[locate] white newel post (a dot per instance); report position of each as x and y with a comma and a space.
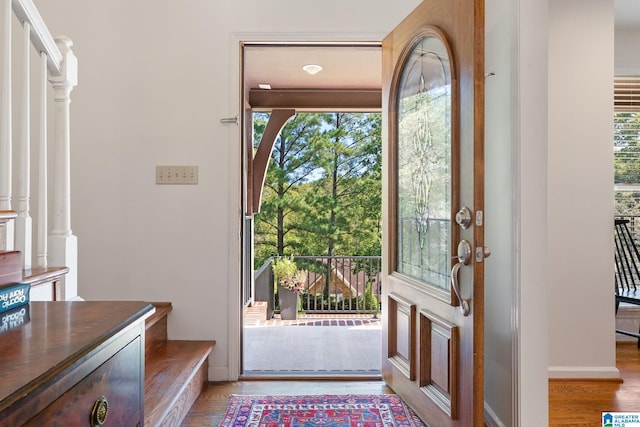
23, 220
63, 245
5, 119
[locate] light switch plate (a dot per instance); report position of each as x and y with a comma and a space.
176, 175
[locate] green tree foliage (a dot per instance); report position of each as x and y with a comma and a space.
626, 154
322, 192
627, 148
368, 301
344, 204
627, 203
290, 166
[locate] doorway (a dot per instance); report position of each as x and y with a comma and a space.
344, 92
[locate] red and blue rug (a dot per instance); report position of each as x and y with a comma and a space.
349, 410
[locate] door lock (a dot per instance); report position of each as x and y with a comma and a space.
482, 253
463, 217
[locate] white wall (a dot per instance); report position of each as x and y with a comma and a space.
531, 222
500, 333
517, 334
580, 176
155, 79
499, 211
558, 170
627, 54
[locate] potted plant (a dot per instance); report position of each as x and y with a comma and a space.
290, 281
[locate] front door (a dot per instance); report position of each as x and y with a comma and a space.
433, 110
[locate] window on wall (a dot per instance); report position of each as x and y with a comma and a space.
626, 144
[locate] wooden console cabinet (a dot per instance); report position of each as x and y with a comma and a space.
75, 363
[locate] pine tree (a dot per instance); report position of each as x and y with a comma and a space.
290, 166
322, 192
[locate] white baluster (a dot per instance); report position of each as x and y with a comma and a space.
63, 245
23, 221
43, 226
5, 120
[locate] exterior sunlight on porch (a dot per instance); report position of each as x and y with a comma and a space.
334, 330
312, 345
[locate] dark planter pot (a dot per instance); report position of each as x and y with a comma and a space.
288, 303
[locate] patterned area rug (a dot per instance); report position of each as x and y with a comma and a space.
350, 410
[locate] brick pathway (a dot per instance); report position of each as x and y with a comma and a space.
302, 321
255, 315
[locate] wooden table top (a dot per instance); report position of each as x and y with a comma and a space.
55, 336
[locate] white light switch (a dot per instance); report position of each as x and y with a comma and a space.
176, 174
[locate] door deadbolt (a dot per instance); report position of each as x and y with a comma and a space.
463, 217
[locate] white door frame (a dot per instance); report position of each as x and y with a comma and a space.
235, 159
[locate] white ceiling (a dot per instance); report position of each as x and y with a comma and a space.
627, 14
356, 66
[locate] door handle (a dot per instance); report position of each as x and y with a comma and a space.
464, 257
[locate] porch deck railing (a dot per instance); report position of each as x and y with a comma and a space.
633, 226
333, 284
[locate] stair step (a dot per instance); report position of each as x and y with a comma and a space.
6, 216
38, 275
175, 373
162, 309
10, 267
156, 326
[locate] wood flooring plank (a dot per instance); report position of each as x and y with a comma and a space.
581, 403
571, 403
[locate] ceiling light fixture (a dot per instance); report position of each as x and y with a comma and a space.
264, 86
312, 69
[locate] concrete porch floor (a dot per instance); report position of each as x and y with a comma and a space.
311, 346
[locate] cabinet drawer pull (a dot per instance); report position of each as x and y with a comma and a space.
99, 412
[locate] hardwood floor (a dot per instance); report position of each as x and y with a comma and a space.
571, 403
581, 403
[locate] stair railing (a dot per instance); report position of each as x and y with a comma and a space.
57, 68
